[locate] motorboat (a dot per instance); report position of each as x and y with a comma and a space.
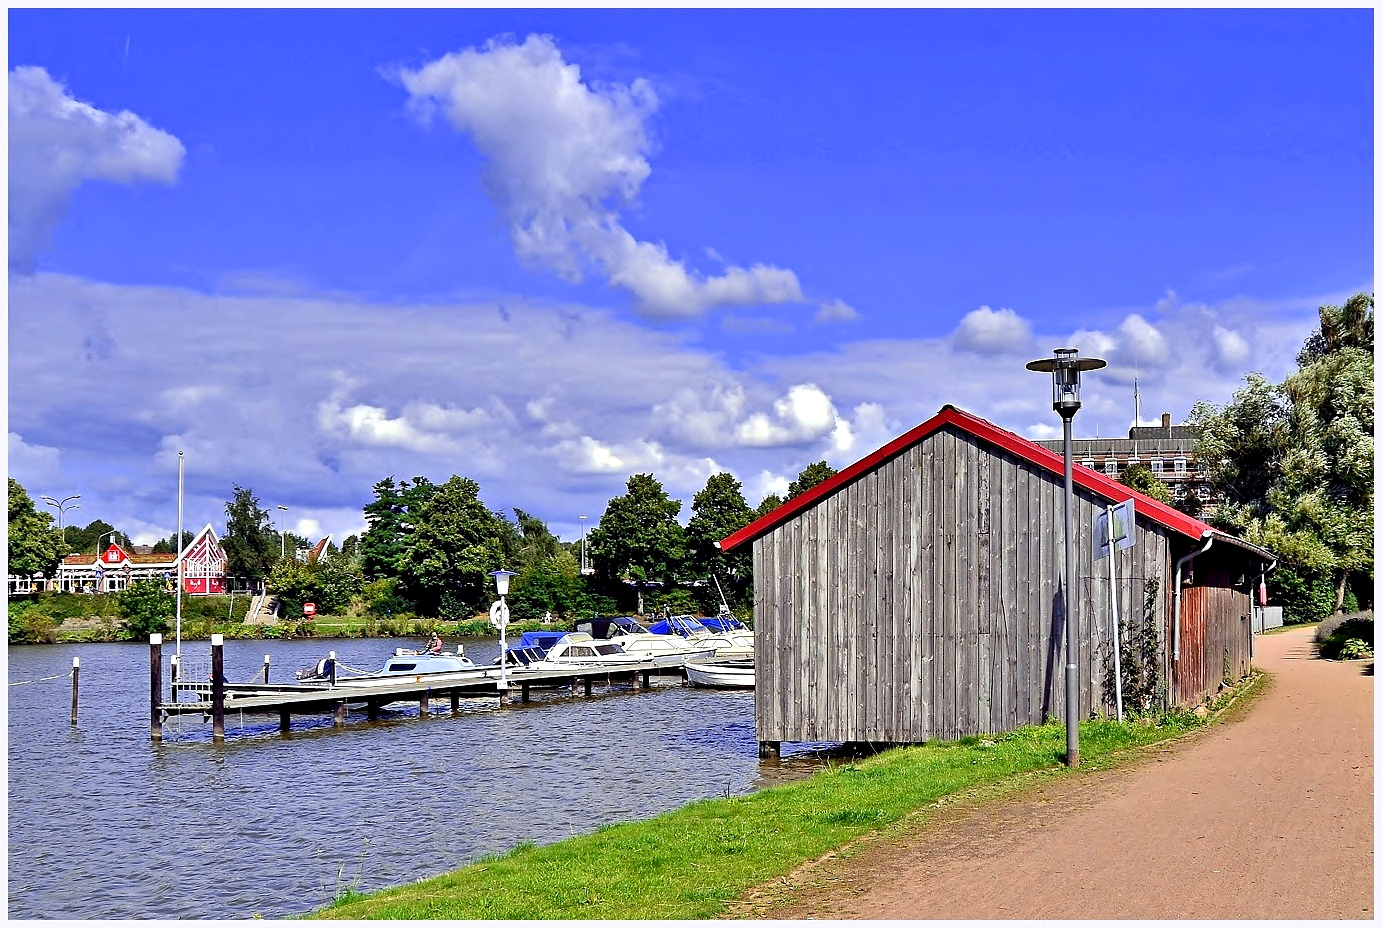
728, 642
579, 649
401, 665
634, 638
736, 674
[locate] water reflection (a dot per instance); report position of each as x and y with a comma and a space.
105, 824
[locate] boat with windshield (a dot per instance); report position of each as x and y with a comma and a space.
727, 640
404, 664
634, 638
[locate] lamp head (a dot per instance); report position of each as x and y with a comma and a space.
1065, 368
501, 580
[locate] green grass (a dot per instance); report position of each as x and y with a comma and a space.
691, 862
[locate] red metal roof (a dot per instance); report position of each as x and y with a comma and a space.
1106, 487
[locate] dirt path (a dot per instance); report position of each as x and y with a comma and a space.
1266, 816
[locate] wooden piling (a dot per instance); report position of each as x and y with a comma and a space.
76, 675
331, 659
587, 684
770, 749
645, 679
218, 688
422, 707
525, 691
455, 701
155, 687
284, 720
338, 719
174, 673
372, 709
266, 668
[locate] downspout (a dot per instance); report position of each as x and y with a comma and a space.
1175, 607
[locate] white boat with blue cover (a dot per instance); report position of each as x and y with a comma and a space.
733, 674
404, 664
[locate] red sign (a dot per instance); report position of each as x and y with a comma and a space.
309, 609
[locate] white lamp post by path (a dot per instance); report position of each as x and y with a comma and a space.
582, 518
1065, 370
499, 618
62, 508
282, 538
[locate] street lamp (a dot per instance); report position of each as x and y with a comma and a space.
582, 518
62, 508
499, 618
1065, 370
282, 538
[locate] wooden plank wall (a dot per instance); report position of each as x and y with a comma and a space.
1216, 628
918, 601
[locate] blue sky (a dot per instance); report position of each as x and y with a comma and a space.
549, 249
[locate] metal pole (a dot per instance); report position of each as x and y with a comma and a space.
76, 674
1072, 697
266, 668
218, 688
180, 554
155, 687
503, 649
1113, 592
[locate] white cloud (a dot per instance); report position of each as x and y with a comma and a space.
58, 143
1231, 350
993, 331
835, 311
1041, 431
803, 415
766, 482
563, 157
1140, 344
32, 463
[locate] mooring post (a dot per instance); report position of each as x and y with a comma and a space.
587, 684
339, 718
455, 701
76, 673
422, 707
218, 688
174, 665
372, 709
266, 668
284, 720
645, 679
525, 691
331, 659
770, 749
155, 687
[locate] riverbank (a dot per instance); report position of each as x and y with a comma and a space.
695, 861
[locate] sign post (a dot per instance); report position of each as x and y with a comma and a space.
1114, 530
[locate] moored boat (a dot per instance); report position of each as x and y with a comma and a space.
736, 674
634, 638
728, 642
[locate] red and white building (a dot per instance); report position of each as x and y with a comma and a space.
203, 568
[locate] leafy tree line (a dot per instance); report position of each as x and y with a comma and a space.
1294, 464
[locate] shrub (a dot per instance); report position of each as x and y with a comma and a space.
146, 607
1352, 633
1303, 598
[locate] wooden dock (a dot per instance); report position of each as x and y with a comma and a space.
213, 699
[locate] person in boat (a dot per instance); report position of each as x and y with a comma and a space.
436, 646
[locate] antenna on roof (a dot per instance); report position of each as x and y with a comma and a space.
1136, 405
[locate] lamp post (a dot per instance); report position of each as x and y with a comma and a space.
62, 508
582, 518
282, 538
1065, 370
101, 574
98, 541
499, 618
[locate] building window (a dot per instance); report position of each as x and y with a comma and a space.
1202, 492
1156, 465
1110, 466
1180, 465
1088, 463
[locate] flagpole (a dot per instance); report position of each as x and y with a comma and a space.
180, 554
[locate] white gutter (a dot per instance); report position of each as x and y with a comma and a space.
1175, 608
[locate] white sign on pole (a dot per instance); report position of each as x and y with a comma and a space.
499, 614
1115, 526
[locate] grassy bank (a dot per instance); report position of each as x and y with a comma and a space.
691, 862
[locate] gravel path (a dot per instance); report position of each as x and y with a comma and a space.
1268, 815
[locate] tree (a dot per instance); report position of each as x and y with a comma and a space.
453, 544
391, 518
85, 540
812, 475
769, 503
638, 537
170, 544
146, 607
1139, 477
718, 511
250, 542
32, 545
1294, 461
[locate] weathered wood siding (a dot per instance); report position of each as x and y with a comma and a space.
919, 601
1215, 625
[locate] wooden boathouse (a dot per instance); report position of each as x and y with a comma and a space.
916, 595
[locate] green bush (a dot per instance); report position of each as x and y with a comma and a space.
1349, 640
1303, 598
1326, 629
147, 608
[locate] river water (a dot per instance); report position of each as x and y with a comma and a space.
104, 823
